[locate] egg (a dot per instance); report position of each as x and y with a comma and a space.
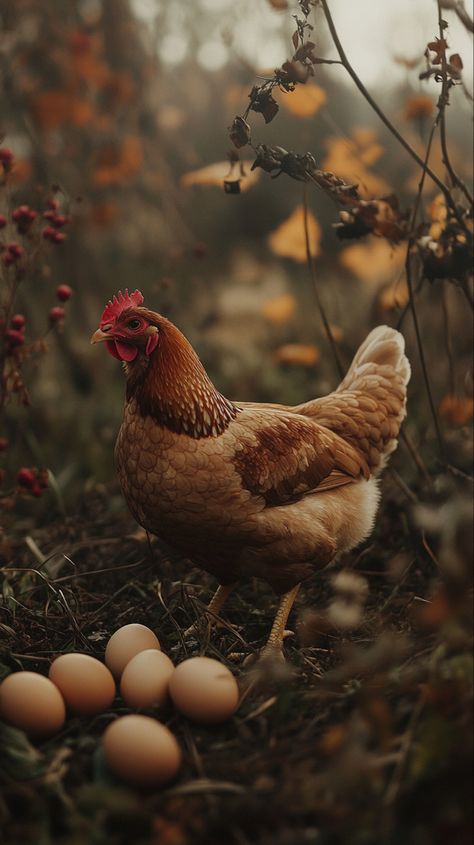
32, 703
126, 643
86, 684
204, 690
145, 679
141, 750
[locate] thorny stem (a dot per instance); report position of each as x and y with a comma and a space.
310, 262
442, 103
347, 65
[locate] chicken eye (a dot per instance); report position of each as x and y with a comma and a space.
134, 324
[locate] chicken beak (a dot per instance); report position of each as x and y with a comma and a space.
99, 335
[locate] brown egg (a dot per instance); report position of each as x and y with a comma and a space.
141, 750
145, 679
32, 703
85, 683
204, 690
126, 643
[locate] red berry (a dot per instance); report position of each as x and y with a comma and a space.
64, 292
14, 338
50, 234
3, 444
25, 477
3, 221
60, 220
15, 249
6, 158
23, 217
53, 203
18, 321
36, 490
56, 314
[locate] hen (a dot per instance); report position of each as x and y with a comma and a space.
247, 489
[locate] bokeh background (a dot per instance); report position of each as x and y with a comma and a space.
121, 109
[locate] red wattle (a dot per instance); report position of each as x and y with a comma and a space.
125, 351
122, 351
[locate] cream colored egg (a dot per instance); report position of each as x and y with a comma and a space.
141, 750
204, 690
86, 684
126, 643
145, 679
32, 703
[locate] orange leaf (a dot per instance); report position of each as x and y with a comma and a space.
455, 410
52, 109
418, 106
351, 159
118, 164
394, 296
288, 239
279, 309
22, 170
374, 262
297, 354
215, 174
439, 213
304, 101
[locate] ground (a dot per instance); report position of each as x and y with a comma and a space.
362, 737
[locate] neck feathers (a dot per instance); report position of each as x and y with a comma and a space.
175, 390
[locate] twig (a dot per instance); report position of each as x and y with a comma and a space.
411, 294
448, 341
442, 103
417, 459
381, 114
458, 7
310, 262
395, 783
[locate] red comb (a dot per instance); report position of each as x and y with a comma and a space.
118, 304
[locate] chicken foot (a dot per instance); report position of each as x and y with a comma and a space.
214, 607
274, 645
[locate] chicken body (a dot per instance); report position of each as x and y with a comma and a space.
190, 493
245, 489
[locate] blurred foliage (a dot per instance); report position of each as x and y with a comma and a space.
371, 740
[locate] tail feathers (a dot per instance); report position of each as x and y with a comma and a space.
384, 347
369, 406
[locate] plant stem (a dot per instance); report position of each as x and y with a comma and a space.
310, 261
347, 65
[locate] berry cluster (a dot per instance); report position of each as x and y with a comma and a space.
32, 481
23, 233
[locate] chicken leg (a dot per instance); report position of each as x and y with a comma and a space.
274, 645
214, 607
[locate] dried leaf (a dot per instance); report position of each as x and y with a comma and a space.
239, 132
438, 47
279, 309
263, 102
288, 239
297, 355
305, 100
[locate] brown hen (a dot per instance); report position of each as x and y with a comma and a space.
247, 489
